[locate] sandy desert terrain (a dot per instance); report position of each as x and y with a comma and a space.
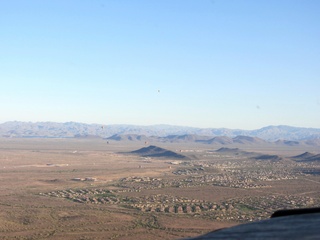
91, 189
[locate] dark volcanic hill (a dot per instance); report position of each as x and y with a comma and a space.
304, 155
307, 157
315, 158
267, 157
228, 150
154, 151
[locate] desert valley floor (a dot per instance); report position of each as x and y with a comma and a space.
96, 189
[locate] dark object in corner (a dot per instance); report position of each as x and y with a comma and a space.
293, 224
289, 212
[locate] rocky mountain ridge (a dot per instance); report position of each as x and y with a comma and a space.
176, 133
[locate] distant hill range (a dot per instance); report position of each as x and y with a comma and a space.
252, 155
286, 135
221, 140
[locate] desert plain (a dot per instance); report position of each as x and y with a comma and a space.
67, 188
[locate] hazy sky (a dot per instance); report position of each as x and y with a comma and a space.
219, 63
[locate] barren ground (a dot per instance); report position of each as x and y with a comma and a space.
29, 167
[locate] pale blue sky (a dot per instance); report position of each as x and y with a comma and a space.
220, 63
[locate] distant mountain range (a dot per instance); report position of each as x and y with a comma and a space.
279, 134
